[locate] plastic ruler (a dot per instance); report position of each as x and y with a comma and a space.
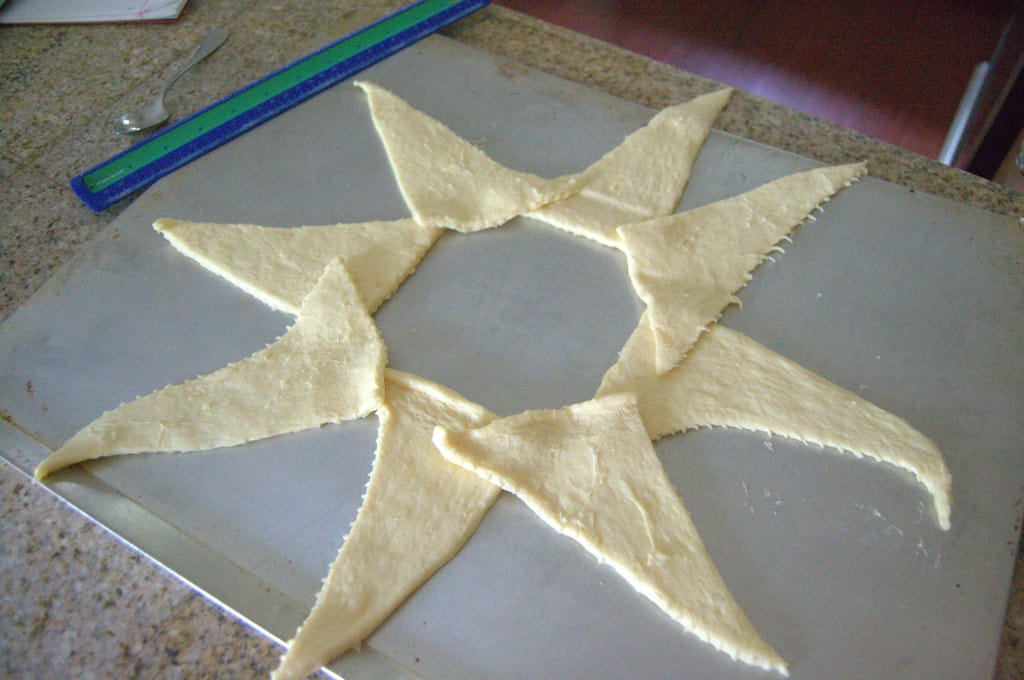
177, 145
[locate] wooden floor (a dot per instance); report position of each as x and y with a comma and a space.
893, 69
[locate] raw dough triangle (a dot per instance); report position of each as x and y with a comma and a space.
280, 265
328, 367
729, 380
641, 178
590, 471
448, 182
417, 513
686, 267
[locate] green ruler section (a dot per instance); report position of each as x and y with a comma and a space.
203, 131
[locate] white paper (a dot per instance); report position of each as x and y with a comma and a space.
88, 11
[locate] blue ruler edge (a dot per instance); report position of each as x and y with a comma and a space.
177, 145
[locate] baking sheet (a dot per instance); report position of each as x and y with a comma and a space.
909, 300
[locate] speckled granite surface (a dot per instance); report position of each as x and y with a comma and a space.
76, 602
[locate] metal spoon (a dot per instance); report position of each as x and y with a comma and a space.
156, 113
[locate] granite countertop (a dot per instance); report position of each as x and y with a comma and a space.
77, 602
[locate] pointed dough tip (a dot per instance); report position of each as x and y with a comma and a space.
722, 94
165, 224
41, 471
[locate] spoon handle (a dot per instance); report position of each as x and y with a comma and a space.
211, 42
